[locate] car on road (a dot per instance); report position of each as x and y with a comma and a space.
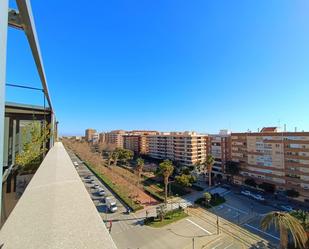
258, 197
287, 208
75, 164
246, 192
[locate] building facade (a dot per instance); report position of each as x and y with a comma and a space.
137, 141
278, 158
187, 148
220, 150
115, 138
89, 133
102, 137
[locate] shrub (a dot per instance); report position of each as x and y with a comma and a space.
153, 193
292, 193
267, 187
216, 200
251, 182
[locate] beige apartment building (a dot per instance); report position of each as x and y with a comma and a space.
89, 134
220, 149
187, 148
279, 158
137, 141
102, 137
115, 138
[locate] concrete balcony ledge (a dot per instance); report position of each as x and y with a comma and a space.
55, 210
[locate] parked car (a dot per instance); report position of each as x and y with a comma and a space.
258, 197
75, 164
96, 186
111, 204
101, 192
246, 192
287, 208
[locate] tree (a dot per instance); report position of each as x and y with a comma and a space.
185, 180
139, 168
125, 155
303, 218
210, 160
292, 193
232, 168
219, 178
267, 187
165, 169
109, 158
115, 156
286, 224
251, 182
207, 197
34, 139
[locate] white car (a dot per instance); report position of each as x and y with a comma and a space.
287, 208
246, 192
101, 192
258, 197
75, 164
96, 186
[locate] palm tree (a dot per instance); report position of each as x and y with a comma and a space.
303, 217
286, 224
210, 160
166, 168
139, 168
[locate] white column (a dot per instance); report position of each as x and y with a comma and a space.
4, 5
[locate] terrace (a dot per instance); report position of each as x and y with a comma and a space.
54, 210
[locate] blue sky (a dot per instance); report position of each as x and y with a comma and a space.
169, 64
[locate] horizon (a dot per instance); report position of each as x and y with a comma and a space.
169, 65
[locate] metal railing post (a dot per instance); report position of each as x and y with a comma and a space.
4, 7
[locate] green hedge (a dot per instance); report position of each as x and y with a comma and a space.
215, 201
115, 188
154, 194
178, 189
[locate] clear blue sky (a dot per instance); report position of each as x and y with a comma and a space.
169, 65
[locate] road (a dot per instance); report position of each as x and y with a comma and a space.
199, 228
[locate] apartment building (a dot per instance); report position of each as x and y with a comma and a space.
187, 148
221, 150
102, 137
89, 133
279, 158
115, 138
137, 141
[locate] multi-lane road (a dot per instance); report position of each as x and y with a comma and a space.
198, 229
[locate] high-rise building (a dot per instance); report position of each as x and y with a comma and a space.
187, 148
102, 137
89, 133
220, 150
271, 156
137, 141
115, 138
